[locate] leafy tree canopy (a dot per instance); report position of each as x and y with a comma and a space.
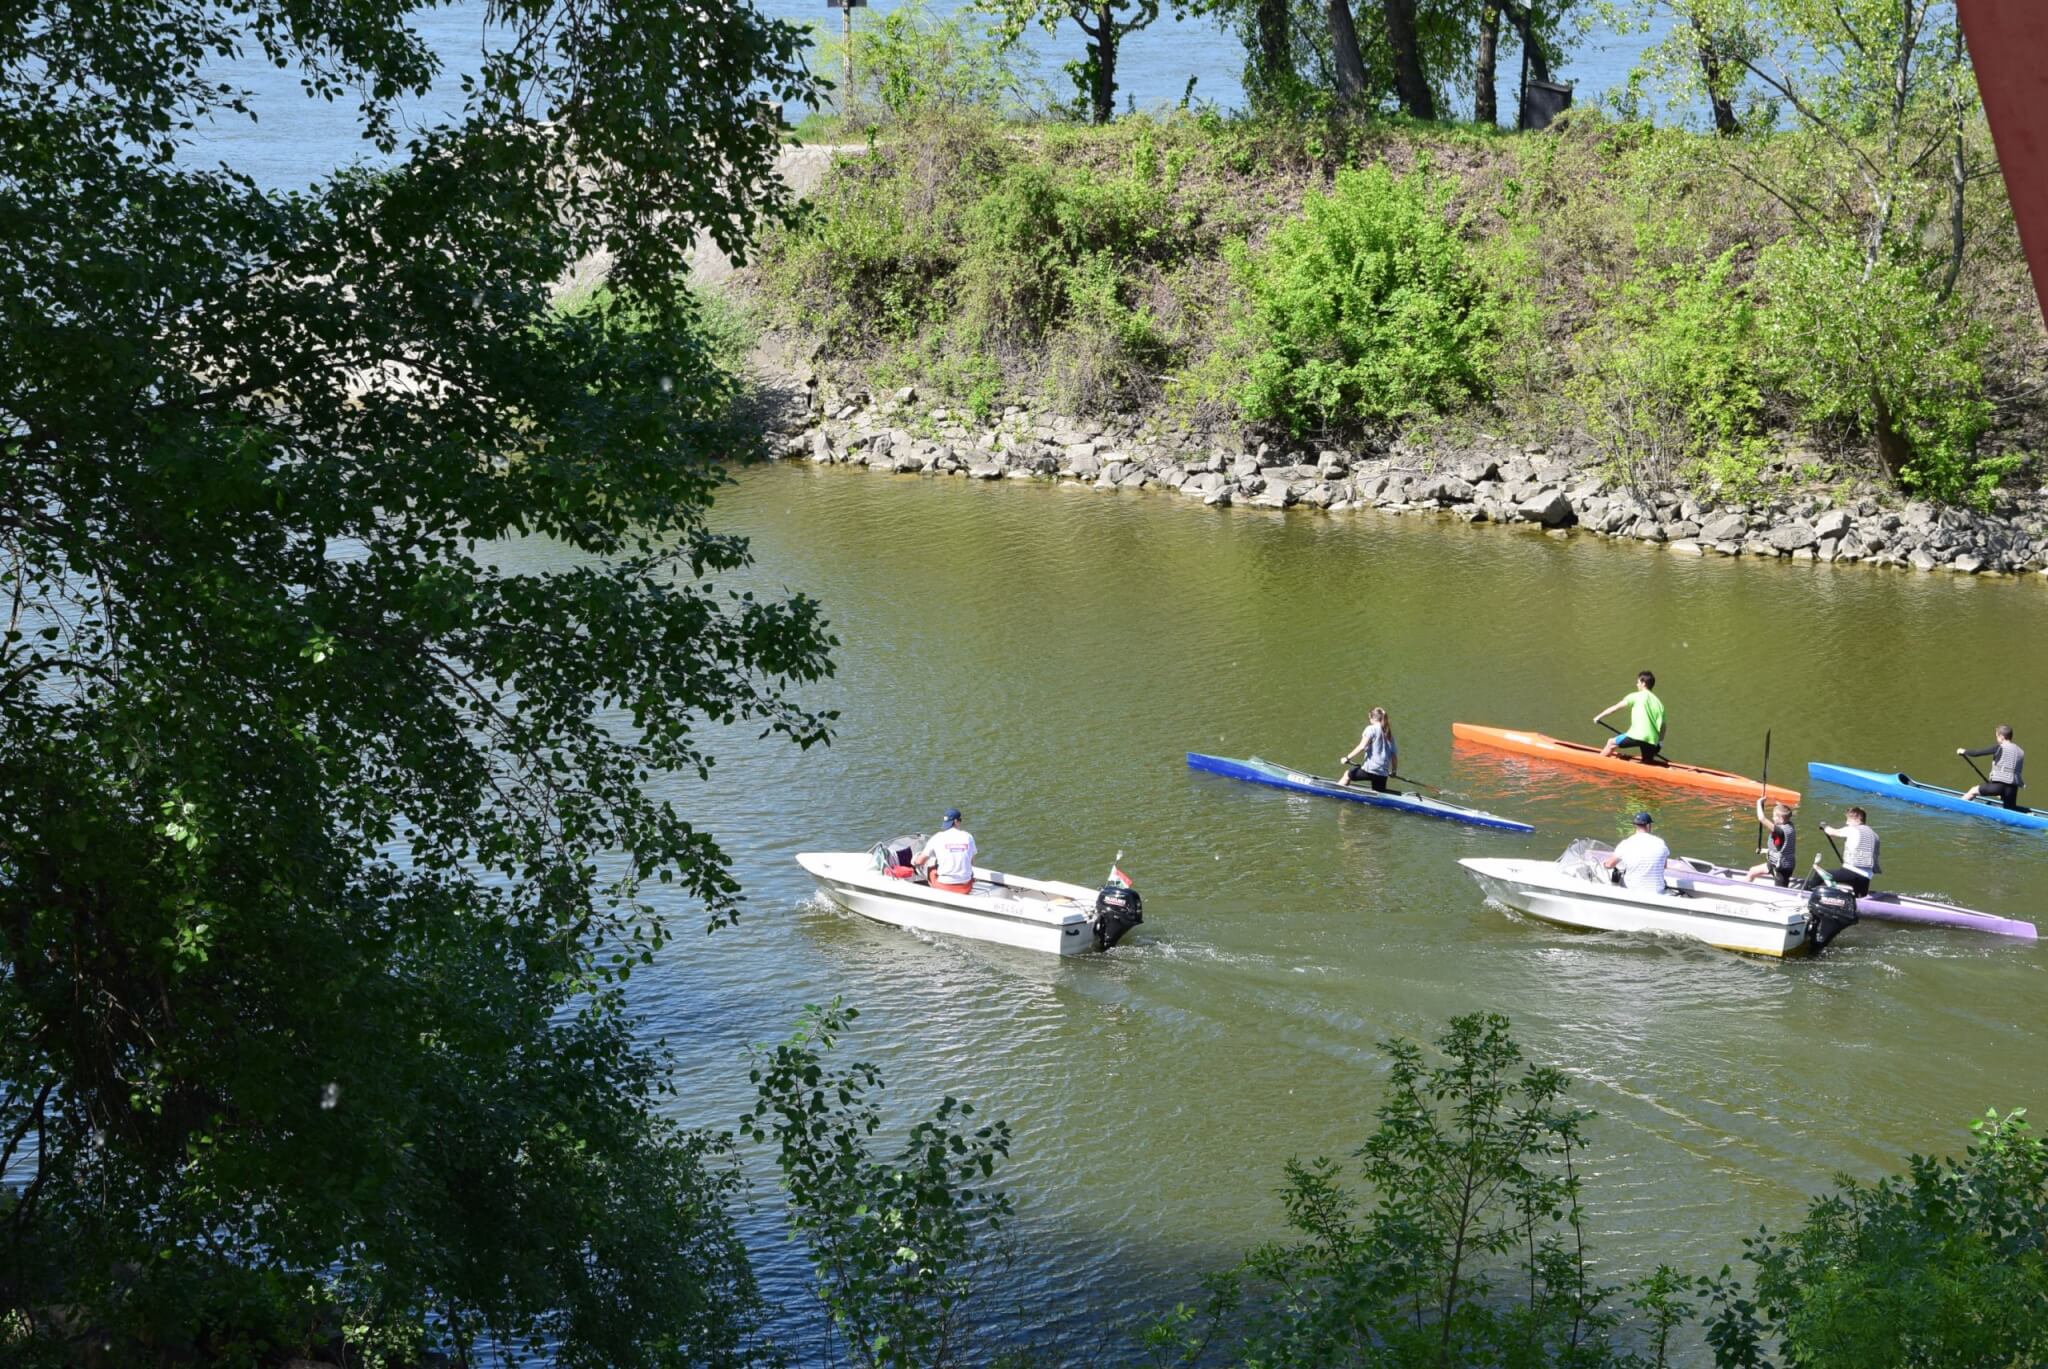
323, 833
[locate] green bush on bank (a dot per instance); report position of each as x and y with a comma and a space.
1667, 380
1365, 310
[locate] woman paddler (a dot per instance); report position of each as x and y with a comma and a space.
1375, 754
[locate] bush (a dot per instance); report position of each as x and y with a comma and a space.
1874, 353
1944, 1266
1471, 1251
1667, 382
1365, 310
910, 64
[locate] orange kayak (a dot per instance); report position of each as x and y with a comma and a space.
1664, 772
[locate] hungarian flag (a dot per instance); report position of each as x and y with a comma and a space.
1117, 876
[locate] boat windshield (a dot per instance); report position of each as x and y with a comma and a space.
1582, 858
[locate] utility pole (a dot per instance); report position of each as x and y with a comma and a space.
846, 9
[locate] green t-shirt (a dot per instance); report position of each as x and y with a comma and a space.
1645, 717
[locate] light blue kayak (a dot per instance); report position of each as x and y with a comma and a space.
1894, 785
1280, 777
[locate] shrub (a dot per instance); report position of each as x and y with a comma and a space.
1944, 1266
910, 63
1365, 310
1667, 382
1470, 1252
1875, 353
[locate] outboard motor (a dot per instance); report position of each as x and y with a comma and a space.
1117, 909
1829, 910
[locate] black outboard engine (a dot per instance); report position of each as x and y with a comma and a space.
1829, 910
1117, 909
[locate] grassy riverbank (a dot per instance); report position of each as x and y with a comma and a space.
1648, 299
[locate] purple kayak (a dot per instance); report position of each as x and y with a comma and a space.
1878, 905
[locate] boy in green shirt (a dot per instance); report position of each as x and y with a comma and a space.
1645, 720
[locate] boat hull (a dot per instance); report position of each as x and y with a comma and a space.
1764, 926
1589, 758
1035, 915
1879, 905
1894, 785
1257, 771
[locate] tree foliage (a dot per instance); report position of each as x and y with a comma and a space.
898, 1247
1469, 1251
1946, 1265
1104, 23
324, 821
910, 64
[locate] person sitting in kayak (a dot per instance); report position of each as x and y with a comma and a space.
2006, 761
1859, 855
1645, 720
1780, 848
949, 856
1641, 858
1375, 754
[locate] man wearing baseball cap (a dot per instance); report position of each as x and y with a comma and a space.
949, 856
1641, 858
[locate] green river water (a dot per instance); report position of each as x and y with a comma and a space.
1043, 657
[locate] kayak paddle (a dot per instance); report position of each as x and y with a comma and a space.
1417, 783
1982, 778
1766, 782
1831, 843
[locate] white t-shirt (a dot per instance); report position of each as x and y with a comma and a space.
952, 852
1641, 858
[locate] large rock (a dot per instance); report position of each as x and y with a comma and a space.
1729, 527
1548, 507
1475, 469
985, 470
1791, 536
1084, 467
1832, 525
821, 447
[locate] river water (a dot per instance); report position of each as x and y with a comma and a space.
1042, 657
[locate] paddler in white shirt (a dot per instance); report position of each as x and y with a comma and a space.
948, 857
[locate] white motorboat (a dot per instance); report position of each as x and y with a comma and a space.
1039, 915
1574, 891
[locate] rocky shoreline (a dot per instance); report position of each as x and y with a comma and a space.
1490, 481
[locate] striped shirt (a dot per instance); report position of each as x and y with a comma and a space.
2006, 762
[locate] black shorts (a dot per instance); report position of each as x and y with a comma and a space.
1378, 782
1650, 750
2007, 794
1781, 878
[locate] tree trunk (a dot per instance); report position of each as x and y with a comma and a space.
1276, 47
1409, 82
1892, 448
1532, 46
1344, 44
1484, 105
1717, 91
1105, 61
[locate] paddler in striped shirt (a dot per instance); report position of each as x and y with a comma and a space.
1645, 732
2006, 762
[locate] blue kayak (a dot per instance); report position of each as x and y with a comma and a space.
1894, 785
1280, 777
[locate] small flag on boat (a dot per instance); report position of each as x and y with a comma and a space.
1116, 874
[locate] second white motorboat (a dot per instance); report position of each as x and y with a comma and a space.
1039, 915
1574, 891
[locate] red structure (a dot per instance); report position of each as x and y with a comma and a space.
2009, 47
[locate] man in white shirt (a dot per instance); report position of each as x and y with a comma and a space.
1641, 858
948, 858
